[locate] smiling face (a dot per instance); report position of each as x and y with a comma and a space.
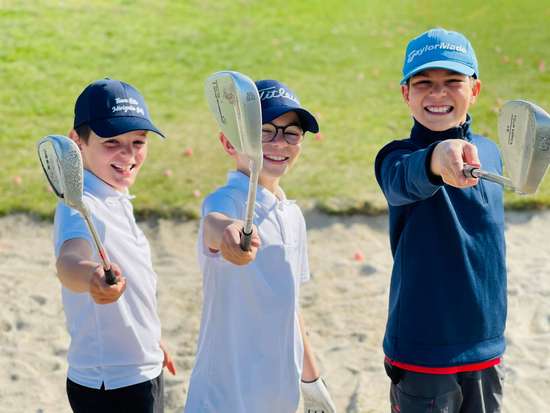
439, 99
278, 155
115, 160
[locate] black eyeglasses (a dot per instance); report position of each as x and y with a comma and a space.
292, 134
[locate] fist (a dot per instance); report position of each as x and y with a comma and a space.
230, 246
448, 159
103, 293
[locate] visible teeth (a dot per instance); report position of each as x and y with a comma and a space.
439, 109
276, 158
124, 168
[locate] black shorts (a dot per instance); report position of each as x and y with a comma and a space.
467, 392
146, 397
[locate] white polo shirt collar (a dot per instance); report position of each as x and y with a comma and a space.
264, 197
101, 189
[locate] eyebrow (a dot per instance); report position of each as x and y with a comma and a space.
283, 126
448, 73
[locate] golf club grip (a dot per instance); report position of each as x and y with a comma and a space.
246, 240
473, 172
470, 171
110, 277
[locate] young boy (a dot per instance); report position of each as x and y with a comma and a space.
447, 310
252, 349
115, 356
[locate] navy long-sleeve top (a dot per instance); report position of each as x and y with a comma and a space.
447, 304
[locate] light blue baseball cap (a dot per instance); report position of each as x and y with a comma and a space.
440, 49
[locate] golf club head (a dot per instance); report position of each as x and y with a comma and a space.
234, 100
62, 164
524, 134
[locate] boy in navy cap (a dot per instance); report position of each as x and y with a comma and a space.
447, 310
252, 351
115, 355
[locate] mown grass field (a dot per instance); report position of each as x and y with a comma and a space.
342, 57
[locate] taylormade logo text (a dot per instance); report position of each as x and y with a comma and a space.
430, 47
272, 92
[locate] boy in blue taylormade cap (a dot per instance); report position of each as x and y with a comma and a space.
447, 308
115, 355
253, 352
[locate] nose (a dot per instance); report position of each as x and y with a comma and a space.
438, 89
279, 139
128, 150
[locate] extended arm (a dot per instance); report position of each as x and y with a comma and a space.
408, 175
79, 273
223, 234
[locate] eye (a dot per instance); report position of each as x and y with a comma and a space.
455, 81
139, 143
268, 131
293, 130
110, 143
421, 84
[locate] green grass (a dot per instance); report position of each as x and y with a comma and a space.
343, 58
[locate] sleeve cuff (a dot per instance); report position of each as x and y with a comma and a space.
434, 179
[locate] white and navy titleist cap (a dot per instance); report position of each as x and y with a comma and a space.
277, 99
440, 49
111, 107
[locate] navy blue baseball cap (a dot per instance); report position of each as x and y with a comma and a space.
111, 107
277, 99
440, 49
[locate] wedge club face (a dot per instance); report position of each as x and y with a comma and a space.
524, 135
62, 164
234, 100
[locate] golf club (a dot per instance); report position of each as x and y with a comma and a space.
62, 164
524, 135
234, 100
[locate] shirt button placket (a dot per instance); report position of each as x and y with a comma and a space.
280, 214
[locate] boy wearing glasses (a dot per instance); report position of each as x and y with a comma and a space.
253, 352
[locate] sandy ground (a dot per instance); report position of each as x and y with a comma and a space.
344, 307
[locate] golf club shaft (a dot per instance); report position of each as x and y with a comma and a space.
250, 203
109, 276
473, 172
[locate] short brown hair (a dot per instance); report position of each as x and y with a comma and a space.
83, 132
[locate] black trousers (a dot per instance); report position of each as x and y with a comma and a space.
146, 397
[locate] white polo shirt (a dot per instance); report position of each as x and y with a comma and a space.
250, 350
116, 344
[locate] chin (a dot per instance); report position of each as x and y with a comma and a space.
440, 127
121, 184
274, 173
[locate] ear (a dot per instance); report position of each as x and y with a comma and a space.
476, 89
227, 147
74, 136
405, 93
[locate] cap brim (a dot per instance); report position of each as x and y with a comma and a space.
441, 64
307, 120
107, 128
